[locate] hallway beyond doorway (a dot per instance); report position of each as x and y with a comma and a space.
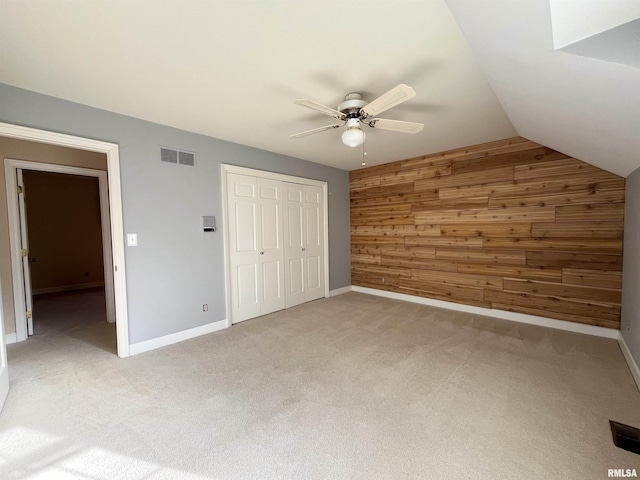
80, 314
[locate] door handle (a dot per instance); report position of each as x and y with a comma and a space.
261, 253
303, 249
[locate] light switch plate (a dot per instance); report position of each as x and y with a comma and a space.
132, 239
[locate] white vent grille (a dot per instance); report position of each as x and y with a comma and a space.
171, 155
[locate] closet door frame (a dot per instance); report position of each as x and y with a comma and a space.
227, 169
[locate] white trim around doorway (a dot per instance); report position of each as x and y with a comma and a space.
112, 210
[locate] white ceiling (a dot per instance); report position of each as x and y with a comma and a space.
231, 70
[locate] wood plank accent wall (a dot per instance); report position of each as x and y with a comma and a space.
510, 225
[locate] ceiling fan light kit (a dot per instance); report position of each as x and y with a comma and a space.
353, 135
353, 111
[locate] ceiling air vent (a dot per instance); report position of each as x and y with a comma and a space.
171, 155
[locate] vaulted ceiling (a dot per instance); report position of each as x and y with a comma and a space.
584, 107
483, 70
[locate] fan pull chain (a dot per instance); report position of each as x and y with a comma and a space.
364, 149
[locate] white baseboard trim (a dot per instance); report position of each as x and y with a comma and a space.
633, 366
340, 291
67, 288
502, 314
172, 338
10, 338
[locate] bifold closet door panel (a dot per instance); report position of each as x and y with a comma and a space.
271, 254
304, 249
294, 244
244, 265
314, 242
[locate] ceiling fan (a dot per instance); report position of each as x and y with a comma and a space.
355, 112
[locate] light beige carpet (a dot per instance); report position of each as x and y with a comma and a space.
351, 387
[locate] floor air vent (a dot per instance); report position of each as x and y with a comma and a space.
171, 155
625, 437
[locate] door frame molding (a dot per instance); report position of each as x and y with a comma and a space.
112, 186
226, 169
11, 168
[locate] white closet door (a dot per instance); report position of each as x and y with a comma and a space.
256, 247
304, 252
314, 242
244, 243
271, 246
294, 253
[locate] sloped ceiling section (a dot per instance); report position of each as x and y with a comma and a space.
584, 107
618, 45
573, 20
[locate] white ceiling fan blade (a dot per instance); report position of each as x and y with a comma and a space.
393, 97
315, 130
396, 125
305, 102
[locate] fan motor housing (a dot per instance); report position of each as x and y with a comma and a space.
352, 104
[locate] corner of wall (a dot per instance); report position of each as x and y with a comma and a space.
631, 362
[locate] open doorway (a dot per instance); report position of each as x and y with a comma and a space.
66, 258
14, 297
22, 261
12, 278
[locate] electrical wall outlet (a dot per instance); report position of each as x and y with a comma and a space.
205, 307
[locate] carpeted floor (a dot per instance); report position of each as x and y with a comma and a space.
351, 387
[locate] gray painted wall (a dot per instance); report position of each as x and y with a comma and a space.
630, 325
176, 267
